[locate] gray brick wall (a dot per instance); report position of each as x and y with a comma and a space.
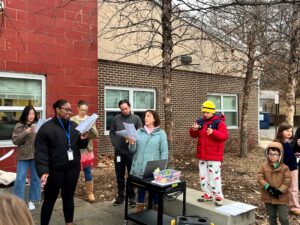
189, 90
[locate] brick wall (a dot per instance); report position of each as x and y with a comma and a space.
189, 90
54, 39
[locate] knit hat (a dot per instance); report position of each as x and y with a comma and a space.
209, 107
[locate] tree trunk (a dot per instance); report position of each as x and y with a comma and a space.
167, 50
293, 67
246, 95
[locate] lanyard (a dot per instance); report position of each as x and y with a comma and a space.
68, 134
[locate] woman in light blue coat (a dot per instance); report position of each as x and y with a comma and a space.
151, 145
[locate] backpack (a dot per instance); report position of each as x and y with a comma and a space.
215, 123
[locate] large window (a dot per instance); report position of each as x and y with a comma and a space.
140, 100
16, 91
226, 104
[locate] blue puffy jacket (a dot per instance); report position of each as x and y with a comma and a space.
148, 147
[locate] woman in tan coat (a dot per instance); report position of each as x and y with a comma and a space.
87, 155
23, 136
274, 178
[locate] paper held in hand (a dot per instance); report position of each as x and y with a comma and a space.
87, 124
40, 123
129, 132
7, 155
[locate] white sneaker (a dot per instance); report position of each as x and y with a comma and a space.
31, 206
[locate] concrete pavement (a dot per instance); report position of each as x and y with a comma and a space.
102, 213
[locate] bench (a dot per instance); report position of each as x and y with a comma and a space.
208, 209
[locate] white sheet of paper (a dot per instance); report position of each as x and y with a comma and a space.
40, 123
235, 209
7, 155
129, 132
87, 124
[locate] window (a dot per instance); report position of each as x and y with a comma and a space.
18, 90
140, 100
226, 104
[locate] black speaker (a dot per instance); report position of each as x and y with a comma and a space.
192, 220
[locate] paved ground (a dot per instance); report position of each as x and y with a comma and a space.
104, 213
268, 133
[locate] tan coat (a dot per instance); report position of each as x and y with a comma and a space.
279, 178
24, 141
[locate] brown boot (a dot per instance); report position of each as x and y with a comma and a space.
89, 188
140, 207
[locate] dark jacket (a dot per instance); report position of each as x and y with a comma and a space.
296, 147
210, 147
279, 177
51, 146
24, 141
289, 157
119, 143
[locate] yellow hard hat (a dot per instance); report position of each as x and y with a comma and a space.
209, 107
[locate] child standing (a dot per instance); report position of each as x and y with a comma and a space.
211, 132
274, 178
285, 135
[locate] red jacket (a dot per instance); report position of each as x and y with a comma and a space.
210, 147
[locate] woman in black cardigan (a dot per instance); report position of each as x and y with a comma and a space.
57, 150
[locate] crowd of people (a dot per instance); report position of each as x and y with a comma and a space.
57, 152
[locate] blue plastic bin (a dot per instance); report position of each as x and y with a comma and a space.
264, 120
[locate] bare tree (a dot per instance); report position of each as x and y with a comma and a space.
246, 26
152, 26
283, 63
293, 68
244, 21
158, 25
253, 23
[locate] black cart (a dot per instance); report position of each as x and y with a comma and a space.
151, 216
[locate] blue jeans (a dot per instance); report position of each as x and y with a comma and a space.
141, 196
20, 182
88, 173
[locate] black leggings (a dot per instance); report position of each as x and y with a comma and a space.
65, 181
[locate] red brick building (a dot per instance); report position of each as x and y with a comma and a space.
48, 50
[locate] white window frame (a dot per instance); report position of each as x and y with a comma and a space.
222, 95
41, 109
131, 90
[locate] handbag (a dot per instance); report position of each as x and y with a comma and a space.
87, 159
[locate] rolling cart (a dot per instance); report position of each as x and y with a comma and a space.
151, 216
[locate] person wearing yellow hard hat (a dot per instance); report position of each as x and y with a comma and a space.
211, 132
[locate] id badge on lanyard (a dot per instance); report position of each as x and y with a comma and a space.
70, 154
68, 134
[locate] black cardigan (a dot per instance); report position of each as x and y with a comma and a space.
51, 146
295, 146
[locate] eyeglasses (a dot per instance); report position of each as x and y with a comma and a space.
273, 155
67, 109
